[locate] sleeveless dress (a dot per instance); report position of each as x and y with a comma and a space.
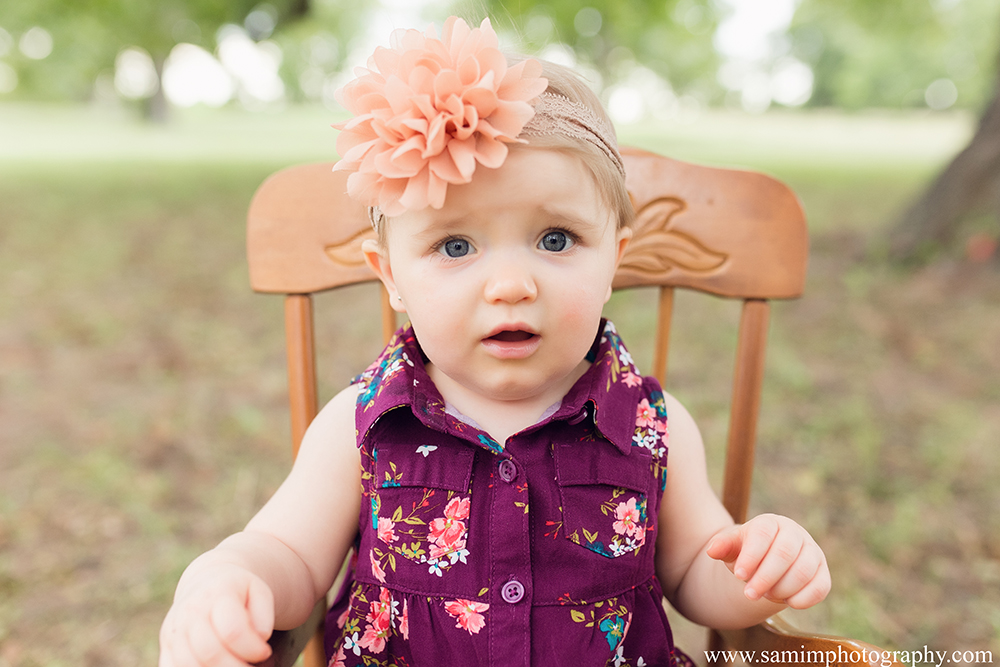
537, 551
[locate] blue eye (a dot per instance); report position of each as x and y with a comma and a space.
456, 248
556, 241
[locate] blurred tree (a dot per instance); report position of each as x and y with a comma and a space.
888, 53
89, 34
970, 181
317, 45
905, 53
671, 37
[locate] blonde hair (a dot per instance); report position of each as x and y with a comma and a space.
607, 176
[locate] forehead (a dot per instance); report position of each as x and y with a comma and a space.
531, 180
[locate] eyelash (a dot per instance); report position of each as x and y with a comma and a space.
437, 247
573, 237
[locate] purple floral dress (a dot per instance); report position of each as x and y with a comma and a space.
536, 551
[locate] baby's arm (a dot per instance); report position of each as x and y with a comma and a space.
270, 575
714, 572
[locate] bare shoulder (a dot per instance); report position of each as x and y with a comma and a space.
685, 438
327, 470
333, 428
315, 510
338, 413
328, 449
329, 456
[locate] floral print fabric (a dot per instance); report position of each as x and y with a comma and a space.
539, 550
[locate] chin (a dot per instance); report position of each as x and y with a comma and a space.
509, 391
519, 389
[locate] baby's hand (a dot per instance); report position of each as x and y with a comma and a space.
777, 558
222, 616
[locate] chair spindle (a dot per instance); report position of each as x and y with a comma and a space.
747, 382
301, 365
661, 349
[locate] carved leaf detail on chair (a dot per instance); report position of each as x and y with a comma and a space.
657, 249
348, 253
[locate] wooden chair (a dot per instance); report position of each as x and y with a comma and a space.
733, 234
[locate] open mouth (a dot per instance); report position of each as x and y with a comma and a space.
512, 343
518, 336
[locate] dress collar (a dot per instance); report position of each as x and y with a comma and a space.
607, 393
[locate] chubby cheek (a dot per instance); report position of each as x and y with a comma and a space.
439, 317
424, 292
579, 313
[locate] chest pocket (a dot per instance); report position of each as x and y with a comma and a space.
604, 496
421, 501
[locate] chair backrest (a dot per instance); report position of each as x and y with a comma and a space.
735, 234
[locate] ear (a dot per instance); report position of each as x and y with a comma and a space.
377, 260
624, 236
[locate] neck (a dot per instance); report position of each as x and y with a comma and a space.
502, 418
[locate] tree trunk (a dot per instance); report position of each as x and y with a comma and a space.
932, 219
157, 107
298, 8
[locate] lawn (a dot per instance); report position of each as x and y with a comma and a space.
142, 384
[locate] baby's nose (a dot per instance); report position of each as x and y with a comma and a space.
510, 282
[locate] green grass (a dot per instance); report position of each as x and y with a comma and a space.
142, 385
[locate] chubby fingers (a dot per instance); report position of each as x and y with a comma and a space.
798, 595
235, 626
260, 603
776, 558
207, 648
219, 640
219, 630
726, 545
743, 548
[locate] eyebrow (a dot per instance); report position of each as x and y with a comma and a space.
570, 217
549, 213
434, 228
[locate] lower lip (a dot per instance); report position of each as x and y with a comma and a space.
520, 349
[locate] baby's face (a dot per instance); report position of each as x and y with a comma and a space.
505, 285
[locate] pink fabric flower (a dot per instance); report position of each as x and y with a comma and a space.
628, 519
404, 622
379, 620
442, 548
342, 619
338, 659
380, 612
645, 415
631, 379
374, 639
458, 508
427, 110
386, 530
468, 614
448, 533
377, 570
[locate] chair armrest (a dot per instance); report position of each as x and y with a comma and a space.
783, 644
286, 645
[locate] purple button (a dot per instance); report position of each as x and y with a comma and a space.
508, 471
512, 591
579, 416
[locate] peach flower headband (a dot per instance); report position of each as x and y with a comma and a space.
427, 110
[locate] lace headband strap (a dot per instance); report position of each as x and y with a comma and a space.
558, 115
